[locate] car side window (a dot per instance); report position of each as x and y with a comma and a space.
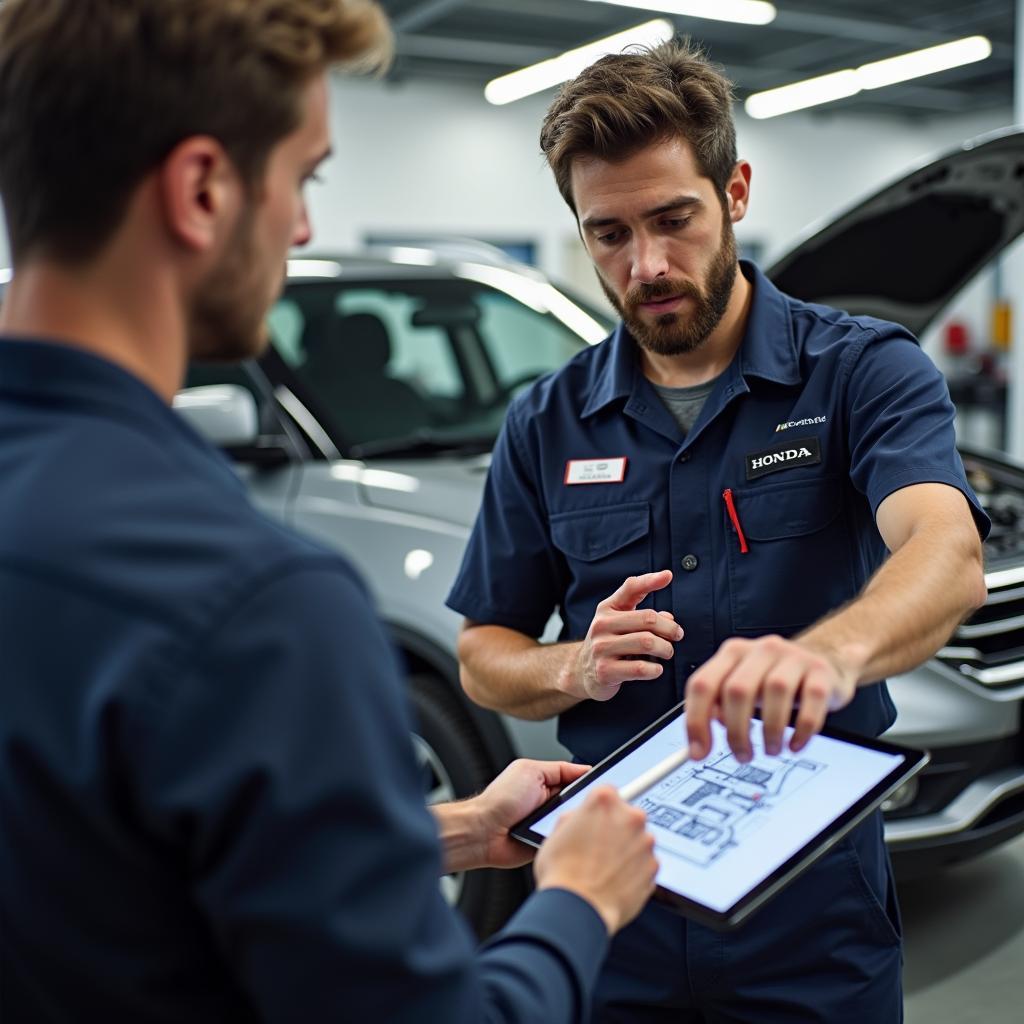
411, 361
421, 354
521, 343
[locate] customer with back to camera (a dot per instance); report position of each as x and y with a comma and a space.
209, 805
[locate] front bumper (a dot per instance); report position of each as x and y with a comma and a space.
989, 812
962, 808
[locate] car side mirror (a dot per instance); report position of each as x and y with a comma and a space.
225, 414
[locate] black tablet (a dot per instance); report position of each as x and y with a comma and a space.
730, 835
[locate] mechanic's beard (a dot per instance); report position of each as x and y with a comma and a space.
227, 322
673, 334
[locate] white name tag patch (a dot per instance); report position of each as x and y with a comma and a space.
595, 471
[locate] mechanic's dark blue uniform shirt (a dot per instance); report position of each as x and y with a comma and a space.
819, 417
209, 805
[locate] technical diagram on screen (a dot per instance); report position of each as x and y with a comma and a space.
730, 835
703, 809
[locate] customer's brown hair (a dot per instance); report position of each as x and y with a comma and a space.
94, 94
627, 101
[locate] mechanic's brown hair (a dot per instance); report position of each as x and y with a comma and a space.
625, 102
94, 94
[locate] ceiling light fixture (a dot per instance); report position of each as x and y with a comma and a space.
924, 62
548, 73
744, 12
876, 75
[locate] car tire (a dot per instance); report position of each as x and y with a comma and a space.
455, 765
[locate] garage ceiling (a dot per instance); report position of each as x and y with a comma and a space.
476, 40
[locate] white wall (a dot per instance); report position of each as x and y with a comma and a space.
422, 158
426, 158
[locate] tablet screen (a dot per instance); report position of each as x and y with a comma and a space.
723, 828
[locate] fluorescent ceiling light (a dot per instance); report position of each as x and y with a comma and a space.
924, 62
803, 94
548, 73
875, 75
745, 12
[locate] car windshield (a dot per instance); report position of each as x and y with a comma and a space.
413, 367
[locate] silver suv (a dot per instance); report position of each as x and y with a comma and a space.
369, 421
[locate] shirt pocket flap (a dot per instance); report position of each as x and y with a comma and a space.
597, 532
789, 510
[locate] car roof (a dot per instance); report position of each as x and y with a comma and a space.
443, 260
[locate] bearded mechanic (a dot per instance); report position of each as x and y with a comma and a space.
737, 498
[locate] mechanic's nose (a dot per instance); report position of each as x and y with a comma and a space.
649, 261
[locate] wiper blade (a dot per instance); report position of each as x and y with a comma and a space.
423, 444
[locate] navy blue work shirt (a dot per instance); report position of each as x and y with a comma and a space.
764, 511
209, 805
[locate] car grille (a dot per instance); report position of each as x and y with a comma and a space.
989, 647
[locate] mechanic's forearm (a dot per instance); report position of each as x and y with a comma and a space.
460, 827
909, 608
505, 670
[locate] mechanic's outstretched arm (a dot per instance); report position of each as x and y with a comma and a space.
906, 612
508, 671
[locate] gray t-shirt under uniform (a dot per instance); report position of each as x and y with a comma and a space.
685, 404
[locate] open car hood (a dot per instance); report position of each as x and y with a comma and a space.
904, 253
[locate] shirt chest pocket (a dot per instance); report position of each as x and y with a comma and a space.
602, 546
799, 564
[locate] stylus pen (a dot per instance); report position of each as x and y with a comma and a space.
650, 778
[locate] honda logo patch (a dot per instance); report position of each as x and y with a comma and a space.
805, 451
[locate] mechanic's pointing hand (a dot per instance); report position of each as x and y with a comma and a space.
622, 638
777, 674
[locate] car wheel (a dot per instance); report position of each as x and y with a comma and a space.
454, 765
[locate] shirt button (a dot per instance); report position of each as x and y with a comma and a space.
690, 563
685, 457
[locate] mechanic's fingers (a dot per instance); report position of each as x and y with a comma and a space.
609, 674
635, 589
643, 620
702, 693
644, 644
648, 620
633, 669
778, 693
814, 697
739, 692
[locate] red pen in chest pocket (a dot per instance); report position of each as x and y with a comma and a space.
730, 507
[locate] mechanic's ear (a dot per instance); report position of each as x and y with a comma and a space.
737, 191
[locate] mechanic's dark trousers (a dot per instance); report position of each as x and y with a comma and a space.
826, 950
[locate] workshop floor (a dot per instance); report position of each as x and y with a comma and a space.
964, 933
